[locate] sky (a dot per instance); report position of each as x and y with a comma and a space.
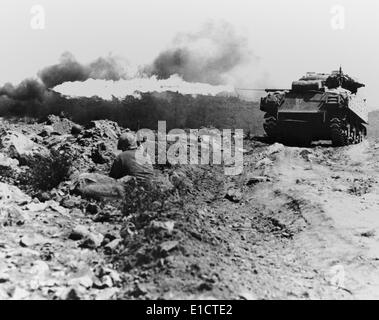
288, 37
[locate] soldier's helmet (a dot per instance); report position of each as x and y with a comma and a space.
127, 141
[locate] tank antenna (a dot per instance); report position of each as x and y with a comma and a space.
340, 76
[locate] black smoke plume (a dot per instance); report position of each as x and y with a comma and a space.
205, 56
69, 69
29, 89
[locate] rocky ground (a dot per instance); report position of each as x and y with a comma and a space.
299, 223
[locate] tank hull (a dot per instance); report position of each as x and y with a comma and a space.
302, 117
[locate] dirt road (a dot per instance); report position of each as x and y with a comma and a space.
334, 193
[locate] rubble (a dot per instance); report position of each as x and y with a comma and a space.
60, 125
168, 246
265, 162
107, 294
104, 128
18, 146
5, 161
92, 208
275, 148
47, 131
234, 195
247, 295
11, 215
12, 194
92, 240
41, 206
252, 180
19, 294
76, 129
71, 202
78, 233
82, 278
157, 226
112, 246
94, 185
30, 240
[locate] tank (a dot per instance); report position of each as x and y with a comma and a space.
318, 106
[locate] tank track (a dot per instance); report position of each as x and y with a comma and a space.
338, 132
343, 133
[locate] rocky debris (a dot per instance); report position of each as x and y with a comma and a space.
252, 180
105, 282
68, 294
93, 148
42, 206
101, 154
180, 180
92, 208
105, 277
94, 185
368, 234
265, 162
100, 277
205, 286
340, 188
107, 294
60, 125
139, 290
11, 215
234, 195
19, 294
167, 246
40, 268
37, 228
12, 195
37, 206
5, 161
58, 142
111, 246
4, 277
82, 278
306, 155
275, 148
71, 202
76, 129
159, 226
78, 233
30, 240
18, 146
360, 187
88, 239
247, 295
47, 131
104, 128
92, 241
